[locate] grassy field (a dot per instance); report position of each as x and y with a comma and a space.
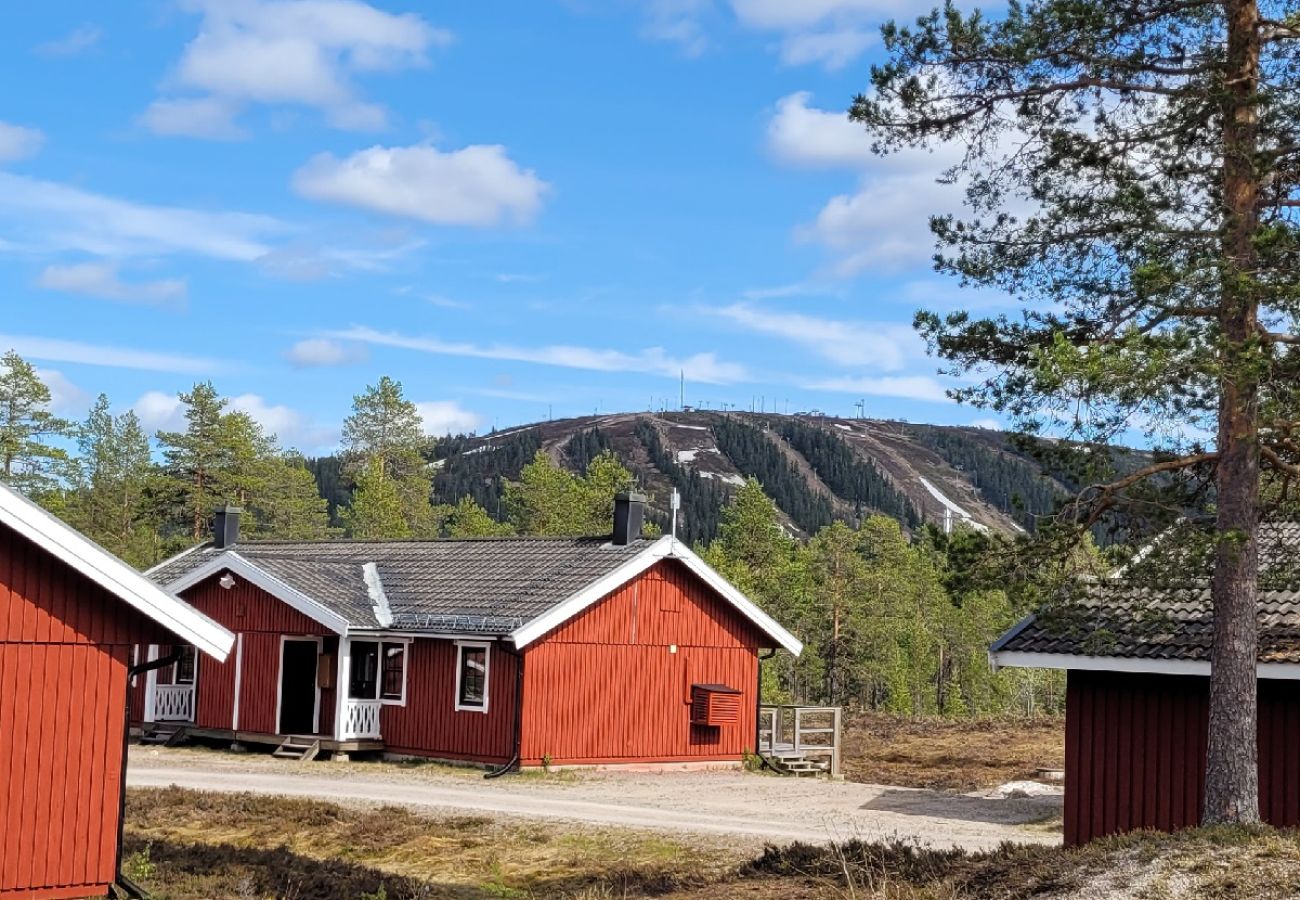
185, 845
950, 754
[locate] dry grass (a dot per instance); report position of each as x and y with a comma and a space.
950, 754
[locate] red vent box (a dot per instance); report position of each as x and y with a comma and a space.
714, 704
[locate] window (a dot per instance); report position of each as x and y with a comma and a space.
185, 665
363, 670
472, 677
392, 684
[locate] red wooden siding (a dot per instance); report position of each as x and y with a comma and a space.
606, 687
1135, 753
429, 725
260, 619
64, 650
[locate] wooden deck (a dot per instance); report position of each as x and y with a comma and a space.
327, 743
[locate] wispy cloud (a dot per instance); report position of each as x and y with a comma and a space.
705, 367
66, 398
58, 350
907, 387
101, 280
79, 40
19, 142
301, 53
441, 417
875, 344
316, 353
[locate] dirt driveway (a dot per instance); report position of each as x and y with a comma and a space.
729, 805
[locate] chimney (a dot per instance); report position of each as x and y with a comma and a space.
225, 526
629, 514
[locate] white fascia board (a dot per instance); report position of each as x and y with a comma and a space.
1022, 660
232, 561
664, 548
112, 574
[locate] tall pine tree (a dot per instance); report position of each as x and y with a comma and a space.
28, 461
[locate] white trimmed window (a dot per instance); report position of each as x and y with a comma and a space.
472, 670
392, 672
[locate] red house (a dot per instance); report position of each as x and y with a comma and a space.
499, 651
1137, 697
70, 614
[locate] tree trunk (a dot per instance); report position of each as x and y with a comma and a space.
1232, 769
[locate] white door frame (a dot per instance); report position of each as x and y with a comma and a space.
279, 679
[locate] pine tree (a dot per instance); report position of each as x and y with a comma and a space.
469, 520
385, 435
288, 505
376, 508
28, 461
1131, 170
113, 473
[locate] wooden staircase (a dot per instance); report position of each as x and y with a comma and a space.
799, 764
301, 749
164, 734
800, 740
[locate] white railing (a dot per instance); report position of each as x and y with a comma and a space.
360, 719
808, 731
173, 703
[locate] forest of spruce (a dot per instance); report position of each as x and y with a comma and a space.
896, 597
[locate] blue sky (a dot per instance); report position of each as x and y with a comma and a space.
517, 209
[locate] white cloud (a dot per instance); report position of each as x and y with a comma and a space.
880, 345
323, 352
290, 52
46, 216
198, 117
159, 411
442, 417
987, 424
907, 387
19, 142
290, 427
677, 22
518, 278
56, 350
81, 38
704, 367
66, 399
478, 185
807, 14
101, 280
832, 49
801, 135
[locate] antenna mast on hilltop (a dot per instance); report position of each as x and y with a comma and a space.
682, 400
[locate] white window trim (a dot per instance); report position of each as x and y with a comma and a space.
486, 647
279, 678
406, 665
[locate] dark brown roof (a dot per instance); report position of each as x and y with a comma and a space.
489, 586
1126, 616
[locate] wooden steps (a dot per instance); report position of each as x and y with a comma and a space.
799, 765
300, 749
164, 734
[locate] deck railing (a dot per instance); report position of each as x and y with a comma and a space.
173, 703
360, 719
812, 732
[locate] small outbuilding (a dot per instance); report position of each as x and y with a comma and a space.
1137, 698
70, 614
502, 651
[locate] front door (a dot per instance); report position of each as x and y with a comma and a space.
298, 687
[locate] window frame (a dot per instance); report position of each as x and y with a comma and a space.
193, 657
352, 657
461, 647
400, 699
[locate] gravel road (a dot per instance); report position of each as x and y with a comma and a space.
737, 806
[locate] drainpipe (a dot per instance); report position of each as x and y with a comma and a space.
125, 885
513, 764
758, 716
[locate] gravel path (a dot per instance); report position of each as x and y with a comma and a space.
739, 806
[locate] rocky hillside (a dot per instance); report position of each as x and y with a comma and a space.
817, 468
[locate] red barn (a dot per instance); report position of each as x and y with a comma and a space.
531, 651
1137, 697
70, 614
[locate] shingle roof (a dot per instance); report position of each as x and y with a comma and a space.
1127, 617
489, 586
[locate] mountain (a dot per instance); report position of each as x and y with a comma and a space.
816, 468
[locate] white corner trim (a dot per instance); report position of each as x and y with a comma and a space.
239, 680
664, 548
486, 647
1023, 660
378, 599
85, 556
232, 561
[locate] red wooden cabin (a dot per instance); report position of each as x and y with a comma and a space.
1137, 696
70, 614
526, 651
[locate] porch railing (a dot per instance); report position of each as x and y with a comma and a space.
810, 732
360, 720
173, 703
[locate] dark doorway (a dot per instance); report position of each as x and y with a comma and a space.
298, 688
